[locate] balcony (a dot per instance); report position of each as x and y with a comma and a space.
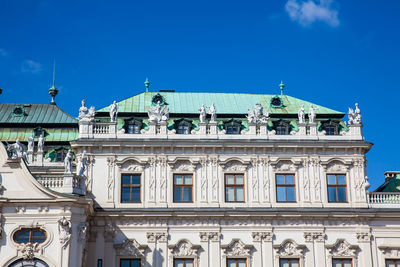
384, 199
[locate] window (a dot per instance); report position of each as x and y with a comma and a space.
234, 188
99, 262
130, 188
37, 132
330, 130
337, 188
232, 129
130, 263
133, 128
233, 126
60, 155
285, 188
289, 263
342, 263
30, 235
236, 263
183, 126
183, 262
281, 127
183, 187
392, 263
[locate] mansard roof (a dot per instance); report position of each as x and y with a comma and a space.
11, 113
392, 182
225, 103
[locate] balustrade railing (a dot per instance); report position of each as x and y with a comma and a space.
101, 128
51, 182
383, 198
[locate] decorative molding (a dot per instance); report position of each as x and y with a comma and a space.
132, 166
363, 237
29, 250
317, 236
83, 232
285, 166
236, 248
234, 166
212, 236
341, 248
183, 166
390, 251
64, 231
131, 248
109, 232
153, 237
289, 248
262, 236
184, 248
336, 166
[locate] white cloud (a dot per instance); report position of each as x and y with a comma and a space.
308, 12
3, 53
31, 66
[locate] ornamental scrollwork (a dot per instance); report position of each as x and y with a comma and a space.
289, 248
29, 250
236, 248
285, 165
234, 166
342, 248
131, 248
184, 248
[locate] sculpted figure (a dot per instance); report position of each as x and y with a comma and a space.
158, 113
357, 115
17, 150
113, 112
83, 110
203, 114
64, 230
301, 114
251, 118
82, 164
68, 162
312, 114
351, 116
40, 143
213, 112
91, 112
257, 115
31, 143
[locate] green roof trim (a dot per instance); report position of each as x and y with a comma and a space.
53, 135
226, 103
34, 114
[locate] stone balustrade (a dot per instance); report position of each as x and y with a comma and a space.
53, 182
68, 183
384, 198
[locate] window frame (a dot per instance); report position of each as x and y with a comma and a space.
130, 259
395, 261
341, 261
236, 261
132, 186
182, 186
286, 186
183, 259
290, 259
183, 124
30, 235
336, 186
235, 186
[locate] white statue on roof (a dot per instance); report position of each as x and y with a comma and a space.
113, 111
31, 143
213, 112
40, 143
354, 116
312, 114
68, 162
82, 164
203, 114
85, 114
82, 110
257, 115
158, 113
301, 114
17, 150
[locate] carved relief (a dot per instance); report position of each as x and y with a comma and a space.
83, 232
336, 166
153, 237
317, 236
214, 166
29, 250
183, 166
152, 182
109, 232
342, 249
236, 248
390, 252
110, 178
131, 248
212, 236
266, 180
306, 179
203, 179
132, 166
284, 166
64, 231
184, 248
363, 237
254, 163
163, 180
289, 248
262, 236
234, 166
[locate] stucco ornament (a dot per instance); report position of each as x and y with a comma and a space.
301, 114
336, 166
83, 231
203, 114
17, 150
131, 248
82, 164
390, 252
183, 166
184, 248
312, 113
235, 166
31, 143
113, 111
68, 162
29, 250
64, 231
342, 249
257, 115
285, 165
213, 112
289, 248
237, 248
158, 113
354, 116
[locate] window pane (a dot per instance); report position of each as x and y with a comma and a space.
284, 263
177, 193
332, 194
239, 179
187, 194
290, 194
390, 263
188, 179
231, 263
178, 263
38, 236
22, 236
178, 179
230, 179
126, 179
239, 194
125, 194
342, 194
294, 263
280, 194
336, 263
289, 179
136, 179
331, 179
241, 263
347, 263
280, 179
135, 263
230, 194
136, 194
125, 263
341, 179
189, 263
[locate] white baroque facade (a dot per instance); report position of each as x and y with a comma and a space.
205, 197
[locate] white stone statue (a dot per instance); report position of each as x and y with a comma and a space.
82, 164
257, 115
301, 114
203, 114
85, 113
113, 111
354, 116
213, 112
40, 143
91, 112
351, 116
64, 230
251, 118
31, 143
17, 150
312, 114
158, 113
83, 110
68, 162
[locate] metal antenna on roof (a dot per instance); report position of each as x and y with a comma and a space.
282, 85
147, 84
53, 91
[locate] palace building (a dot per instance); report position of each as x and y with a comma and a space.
177, 179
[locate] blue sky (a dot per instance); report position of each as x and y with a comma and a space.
333, 53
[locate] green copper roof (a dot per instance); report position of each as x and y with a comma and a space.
225, 103
392, 185
52, 135
34, 114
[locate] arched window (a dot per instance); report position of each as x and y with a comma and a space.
281, 127
28, 263
183, 126
330, 127
30, 235
133, 126
233, 127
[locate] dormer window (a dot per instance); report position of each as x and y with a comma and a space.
330, 127
282, 127
232, 127
133, 126
183, 126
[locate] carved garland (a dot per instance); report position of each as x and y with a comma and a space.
236, 248
342, 249
289, 249
185, 249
